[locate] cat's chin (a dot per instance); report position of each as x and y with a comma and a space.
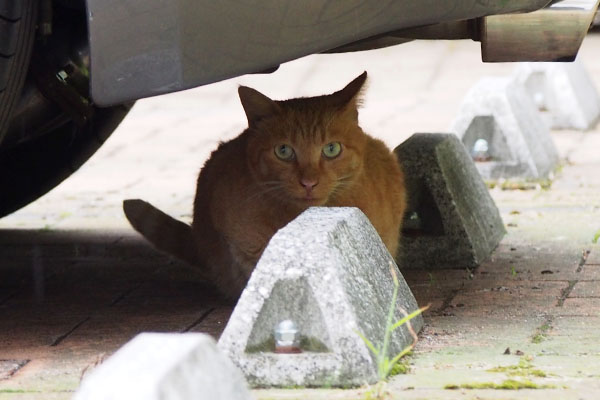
309, 202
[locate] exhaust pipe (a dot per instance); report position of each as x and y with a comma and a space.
553, 33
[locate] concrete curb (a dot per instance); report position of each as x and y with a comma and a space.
329, 272
519, 145
564, 91
155, 366
451, 220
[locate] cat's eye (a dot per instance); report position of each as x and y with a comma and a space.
332, 150
284, 152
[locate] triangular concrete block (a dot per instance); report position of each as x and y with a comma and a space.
165, 366
329, 272
498, 119
563, 92
451, 220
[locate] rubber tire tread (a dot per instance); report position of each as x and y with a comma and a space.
32, 169
11, 9
18, 63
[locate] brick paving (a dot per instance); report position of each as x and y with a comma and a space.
76, 282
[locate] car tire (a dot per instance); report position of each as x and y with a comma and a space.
32, 165
32, 169
17, 30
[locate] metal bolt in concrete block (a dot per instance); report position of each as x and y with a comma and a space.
563, 92
329, 273
500, 112
451, 220
161, 366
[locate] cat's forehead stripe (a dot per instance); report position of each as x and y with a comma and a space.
309, 126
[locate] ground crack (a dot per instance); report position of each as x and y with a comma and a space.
198, 320
582, 260
443, 309
124, 294
62, 337
565, 293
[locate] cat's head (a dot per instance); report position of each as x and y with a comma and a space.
306, 150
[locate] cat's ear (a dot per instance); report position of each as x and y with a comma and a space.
256, 105
349, 98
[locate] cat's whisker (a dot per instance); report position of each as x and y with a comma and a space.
266, 183
270, 188
346, 178
340, 186
261, 193
342, 183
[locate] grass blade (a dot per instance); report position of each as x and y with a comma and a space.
408, 317
398, 357
369, 344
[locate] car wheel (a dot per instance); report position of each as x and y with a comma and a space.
49, 125
17, 31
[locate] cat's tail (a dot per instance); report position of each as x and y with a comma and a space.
164, 232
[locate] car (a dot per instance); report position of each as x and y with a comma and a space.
70, 70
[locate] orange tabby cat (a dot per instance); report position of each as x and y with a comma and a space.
294, 154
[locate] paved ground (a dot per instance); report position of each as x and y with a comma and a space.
76, 282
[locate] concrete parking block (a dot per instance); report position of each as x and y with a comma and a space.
563, 92
451, 221
329, 272
166, 367
502, 130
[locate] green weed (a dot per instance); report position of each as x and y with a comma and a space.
537, 339
402, 367
539, 184
523, 368
431, 279
540, 335
387, 366
18, 391
508, 384
384, 363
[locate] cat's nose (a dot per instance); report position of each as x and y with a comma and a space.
309, 184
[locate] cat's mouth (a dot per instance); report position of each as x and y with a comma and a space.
310, 200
